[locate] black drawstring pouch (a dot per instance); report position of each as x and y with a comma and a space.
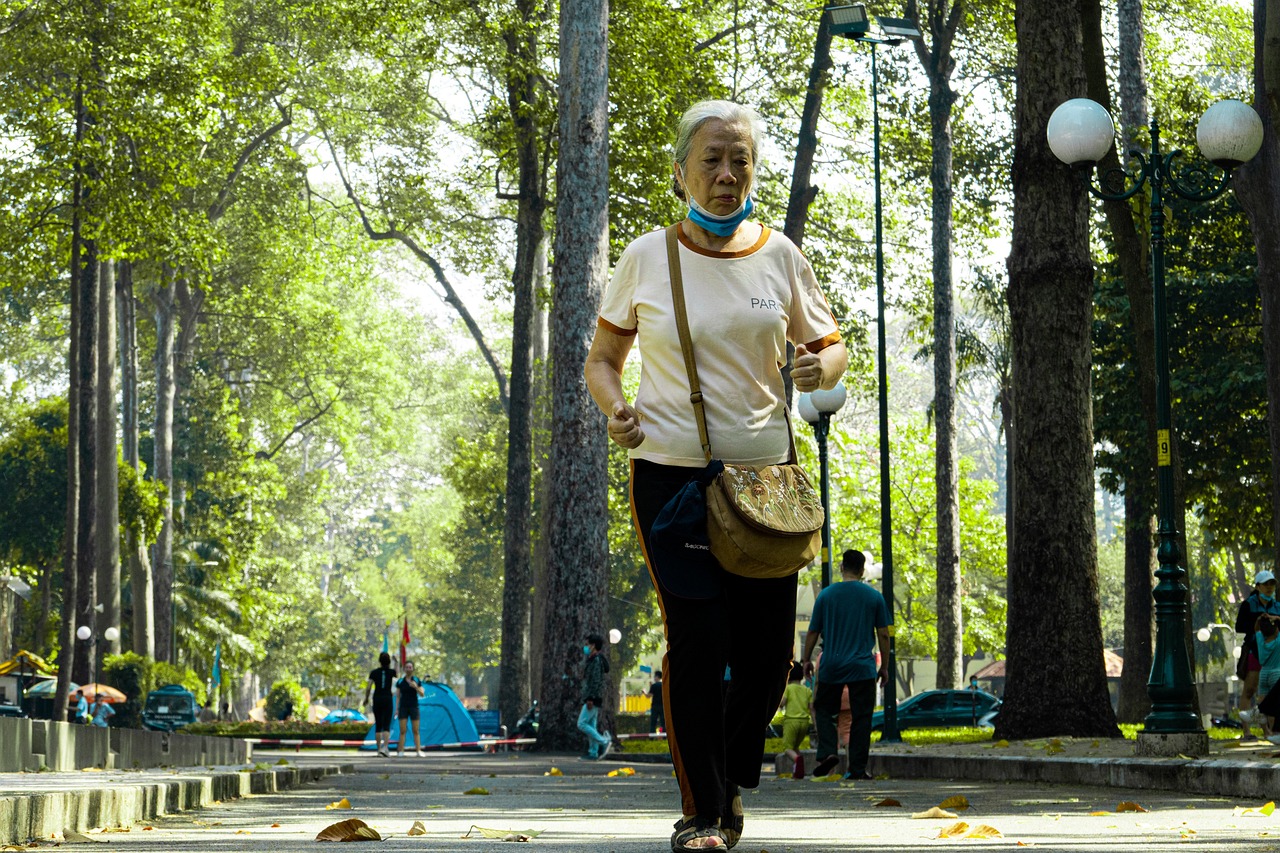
678, 545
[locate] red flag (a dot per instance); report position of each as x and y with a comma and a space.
404, 644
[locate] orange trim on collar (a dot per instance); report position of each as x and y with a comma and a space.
765, 231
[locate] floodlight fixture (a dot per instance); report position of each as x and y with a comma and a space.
902, 28
849, 21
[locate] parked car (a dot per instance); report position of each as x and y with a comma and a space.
11, 711
169, 707
940, 708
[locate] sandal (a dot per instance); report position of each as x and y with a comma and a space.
694, 834
731, 822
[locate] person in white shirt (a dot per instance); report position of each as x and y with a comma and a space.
748, 292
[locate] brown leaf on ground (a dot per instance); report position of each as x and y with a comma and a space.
959, 802
70, 836
353, 829
418, 828
888, 803
343, 803
934, 813
956, 830
1129, 806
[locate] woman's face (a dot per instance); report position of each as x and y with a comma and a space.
1268, 588
720, 171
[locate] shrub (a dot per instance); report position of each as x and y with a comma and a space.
285, 700
166, 673
130, 674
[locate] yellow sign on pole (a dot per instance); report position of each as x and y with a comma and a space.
1164, 455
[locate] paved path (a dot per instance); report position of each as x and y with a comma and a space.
586, 810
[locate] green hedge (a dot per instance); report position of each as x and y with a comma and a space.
280, 728
135, 676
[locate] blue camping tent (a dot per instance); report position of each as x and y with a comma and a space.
444, 720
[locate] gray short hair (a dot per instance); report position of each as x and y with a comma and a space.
702, 112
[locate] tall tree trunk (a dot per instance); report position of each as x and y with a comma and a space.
1139, 607
577, 562
66, 628
87, 530
942, 19
166, 390
1257, 186
1131, 247
542, 462
108, 501
1053, 580
517, 583
802, 192
142, 636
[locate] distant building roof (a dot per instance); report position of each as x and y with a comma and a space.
995, 669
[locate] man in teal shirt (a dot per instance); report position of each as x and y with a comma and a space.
852, 620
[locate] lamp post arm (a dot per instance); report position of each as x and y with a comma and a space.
1196, 181
1112, 183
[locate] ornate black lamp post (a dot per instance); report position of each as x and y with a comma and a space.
816, 408
1229, 133
852, 22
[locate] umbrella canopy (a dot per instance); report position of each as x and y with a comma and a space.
26, 662
344, 715
48, 689
105, 692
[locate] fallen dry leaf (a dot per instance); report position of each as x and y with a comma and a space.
505, 834
984, 830
1099, 814
1261, 811
343, 803
477, 790
955, 830
554, 771
834, 777
418, 828
1128, 806
622, 771
70, 836
1002, 744
275, 826
959, 802
934, 813
888, 802
352, 829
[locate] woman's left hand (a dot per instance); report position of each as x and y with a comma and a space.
806, 369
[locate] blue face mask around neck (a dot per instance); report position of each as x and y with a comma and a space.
1267, 598
721, 226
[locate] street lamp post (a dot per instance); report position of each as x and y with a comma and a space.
85, 634
851, 22
817, 407
1080, 133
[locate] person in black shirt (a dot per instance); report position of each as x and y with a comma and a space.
409, 688
657, 712
381, 680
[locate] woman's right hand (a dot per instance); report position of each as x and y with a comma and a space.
624, 426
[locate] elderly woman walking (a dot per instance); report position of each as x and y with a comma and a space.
747, 291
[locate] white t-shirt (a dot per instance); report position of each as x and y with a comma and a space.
743, 307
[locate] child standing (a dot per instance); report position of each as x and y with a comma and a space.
797, 705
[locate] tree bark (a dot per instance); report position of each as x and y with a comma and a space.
108, 500
166, 391
142, 638
1131, 247
1056, 676
1257, 186
517, 581
943, 21
802, 192
577, 563
86, 531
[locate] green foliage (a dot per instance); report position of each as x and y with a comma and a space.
280, 729
286, 700
856, 524
131, 675
166, 673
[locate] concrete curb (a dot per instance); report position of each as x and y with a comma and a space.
1217, 777
37, 816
